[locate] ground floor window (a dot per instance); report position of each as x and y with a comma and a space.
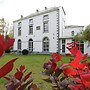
46, 44
30, 45
19, 44
81, 45
63, 45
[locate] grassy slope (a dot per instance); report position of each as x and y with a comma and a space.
33, 63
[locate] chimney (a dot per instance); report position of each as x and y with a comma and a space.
45, 8
37, 10
21, 16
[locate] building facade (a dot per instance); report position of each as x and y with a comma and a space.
44, 32
40, 31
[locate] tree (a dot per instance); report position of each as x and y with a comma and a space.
84, 35
10, 34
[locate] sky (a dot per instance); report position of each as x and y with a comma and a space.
77, 11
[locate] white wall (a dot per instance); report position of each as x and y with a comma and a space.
62, 22
67, 31
87, 49
38, 35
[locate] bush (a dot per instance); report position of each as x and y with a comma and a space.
74, 75
7, 51
25, 52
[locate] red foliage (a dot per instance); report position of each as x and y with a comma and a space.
20, 73
85, 56
5, 44
86, 77
19, 80
69, 71
27, 76
52, 63
7, 68
77, 70
56, 57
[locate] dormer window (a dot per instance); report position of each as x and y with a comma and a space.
19, 24
30, 21
45, 17
72, 33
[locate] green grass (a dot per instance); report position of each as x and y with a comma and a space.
33, 63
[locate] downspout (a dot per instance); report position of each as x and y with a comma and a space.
59, 51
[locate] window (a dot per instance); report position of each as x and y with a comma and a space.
45, 44
30, 26
63, 41
30, 45
38, 28
45, 17
72, 33
19, 24
63, 45
19, 44
45, 26
30, 21
19, 29
45, 23
80, 45
31, 29
63, 48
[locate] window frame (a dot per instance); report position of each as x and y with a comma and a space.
80, 45
30, 45
45, 44
45, 27
19, 44
46, 23
31, 29
19, 28
72, 33
63, 45
37, 27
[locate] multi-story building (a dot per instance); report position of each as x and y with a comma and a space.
45, 32
40, 31
2, 25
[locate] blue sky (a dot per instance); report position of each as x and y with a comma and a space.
77, 11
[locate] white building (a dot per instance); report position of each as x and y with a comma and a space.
67, 36
45, 32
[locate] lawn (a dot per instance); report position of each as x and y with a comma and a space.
33, 63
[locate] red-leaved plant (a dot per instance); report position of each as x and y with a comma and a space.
74, 75
4, 45
18, 81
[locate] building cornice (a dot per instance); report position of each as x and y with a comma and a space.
73, 26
